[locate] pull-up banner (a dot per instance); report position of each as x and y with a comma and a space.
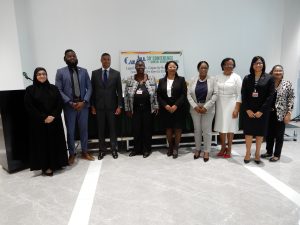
154, 61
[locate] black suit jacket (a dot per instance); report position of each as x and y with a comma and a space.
178, 92
109, 96
265, 89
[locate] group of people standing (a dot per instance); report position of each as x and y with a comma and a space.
264, 101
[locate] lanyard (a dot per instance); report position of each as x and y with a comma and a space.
256, 82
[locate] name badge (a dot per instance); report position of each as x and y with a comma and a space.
139, 92
254, 94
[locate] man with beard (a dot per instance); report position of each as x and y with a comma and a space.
75, 88
106, 103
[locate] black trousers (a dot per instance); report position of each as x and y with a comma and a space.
107, 118
142, 129
275, 135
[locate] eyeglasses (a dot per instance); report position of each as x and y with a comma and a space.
41, 74
258, 63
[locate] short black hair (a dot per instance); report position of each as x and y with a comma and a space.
105, 54
199, 64
226, 60
254, 60
69, 50
139, 60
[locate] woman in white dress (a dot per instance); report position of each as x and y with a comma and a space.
227, 105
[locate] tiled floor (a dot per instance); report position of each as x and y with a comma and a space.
157, 190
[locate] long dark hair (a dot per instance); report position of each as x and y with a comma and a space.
166, 68
254, 60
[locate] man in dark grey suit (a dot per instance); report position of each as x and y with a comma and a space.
106, 103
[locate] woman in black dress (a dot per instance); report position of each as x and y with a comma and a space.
257, 96
171, 95
43, 102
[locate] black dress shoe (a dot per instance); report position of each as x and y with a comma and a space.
146, 154
131, 154
101, 155
114, 154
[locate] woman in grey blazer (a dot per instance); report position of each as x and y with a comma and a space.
202, 95
280, 115
140, 102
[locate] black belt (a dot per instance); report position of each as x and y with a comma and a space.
77, 100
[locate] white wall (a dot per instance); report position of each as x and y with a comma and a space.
290, 57
10, 61
204, 30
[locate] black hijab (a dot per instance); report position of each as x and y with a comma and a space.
44, 94
35, 80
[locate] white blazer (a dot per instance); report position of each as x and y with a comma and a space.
212, 94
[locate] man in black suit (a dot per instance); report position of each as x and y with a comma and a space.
106, 103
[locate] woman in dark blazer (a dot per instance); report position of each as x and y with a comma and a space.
257, 96
280, 115
48, 150
171, 95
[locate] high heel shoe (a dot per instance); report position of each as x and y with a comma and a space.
175, 152
48, 172
274, 159
170, 150
205, 159
227, 154
246, 161
265, 155
197, 156
222, 152
257, 158
257, 161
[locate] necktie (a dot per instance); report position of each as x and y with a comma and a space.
76, 84
105, 77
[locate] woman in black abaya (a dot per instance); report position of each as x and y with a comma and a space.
43, 102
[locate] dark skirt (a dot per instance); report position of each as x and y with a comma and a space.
173, 120
255, 126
